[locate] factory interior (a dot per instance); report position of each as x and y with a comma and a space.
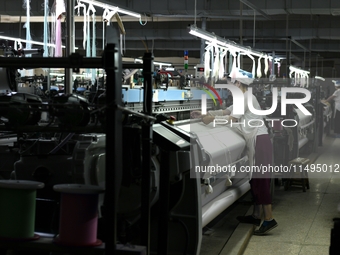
139, 127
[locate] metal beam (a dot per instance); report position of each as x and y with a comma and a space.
154, 18
299, 44
247, 3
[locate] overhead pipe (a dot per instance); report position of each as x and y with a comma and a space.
255, 8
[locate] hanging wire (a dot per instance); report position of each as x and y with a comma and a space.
195, 12
140, 20
254, 29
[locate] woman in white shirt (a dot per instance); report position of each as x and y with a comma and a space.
336, 98
260, 153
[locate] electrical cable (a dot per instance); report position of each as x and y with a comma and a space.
195, 12
22, 152
140, 20
215, 92
62, 143
211, 95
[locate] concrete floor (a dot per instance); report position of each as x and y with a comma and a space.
305, 218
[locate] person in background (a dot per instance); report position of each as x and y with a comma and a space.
75, 84
336, 98
260, 151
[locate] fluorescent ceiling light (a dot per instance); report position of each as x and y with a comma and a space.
319, 78
210, 37
162, 63
130, 13
57, 74
201, 34
111, 7
155, 62
26, 41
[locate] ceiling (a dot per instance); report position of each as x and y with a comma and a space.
307, 32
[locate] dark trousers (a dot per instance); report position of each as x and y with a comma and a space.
260, 182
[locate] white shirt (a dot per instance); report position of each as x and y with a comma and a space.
250, 118
337, 99
249, 132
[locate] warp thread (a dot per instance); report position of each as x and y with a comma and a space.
46, 28
94, 46
60, 9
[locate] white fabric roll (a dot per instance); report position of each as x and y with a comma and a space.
253, 68
259, 71
266, 65
234, 69
216, 63
221, 69
207, 65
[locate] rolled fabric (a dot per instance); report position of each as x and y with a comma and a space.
300, 79
207, 65
216, 64
259, 72
60, 8
221, 69
253, 68
230, 63
278, 68
291, 74
303, 80
234, 69
270, 63
266, 65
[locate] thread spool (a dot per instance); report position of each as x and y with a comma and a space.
78, 215
17, 213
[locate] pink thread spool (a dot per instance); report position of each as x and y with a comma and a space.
78, 214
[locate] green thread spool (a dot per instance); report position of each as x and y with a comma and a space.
17, 209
